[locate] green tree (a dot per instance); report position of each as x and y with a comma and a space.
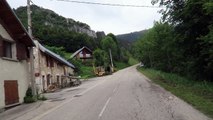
107, 44
100, 58
192, 21
58, 50
158, 48
119, 54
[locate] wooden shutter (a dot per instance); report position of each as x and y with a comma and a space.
47, 60
21, 51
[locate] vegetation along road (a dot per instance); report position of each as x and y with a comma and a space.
125, 95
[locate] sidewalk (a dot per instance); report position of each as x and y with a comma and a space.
18, 111
29, 111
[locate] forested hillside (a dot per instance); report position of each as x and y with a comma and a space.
64, 36
126, 40
182, 42
54, 30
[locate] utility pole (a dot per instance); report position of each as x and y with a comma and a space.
29, 19
31, 49
110, 54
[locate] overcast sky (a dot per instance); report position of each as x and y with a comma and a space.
116, 20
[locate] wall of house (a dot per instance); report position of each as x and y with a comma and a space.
84, 54
41, 68
12, 70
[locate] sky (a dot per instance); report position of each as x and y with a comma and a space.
110, 19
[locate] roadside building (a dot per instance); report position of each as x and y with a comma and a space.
83, 54
51, 70
14, 58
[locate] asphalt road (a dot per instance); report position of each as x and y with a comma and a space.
125, 95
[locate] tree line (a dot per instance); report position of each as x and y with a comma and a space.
109, 45
182, 41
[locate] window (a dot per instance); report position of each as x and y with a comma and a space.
7, 49
49, 61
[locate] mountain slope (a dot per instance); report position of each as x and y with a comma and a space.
128, 39
54, 30
46, 17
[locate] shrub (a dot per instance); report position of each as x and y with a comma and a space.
29, 98
43, 98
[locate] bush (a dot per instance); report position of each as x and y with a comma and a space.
29, 92
29, 98
43, 98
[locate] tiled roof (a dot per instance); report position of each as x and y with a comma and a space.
13, 24
74, 54
56, 56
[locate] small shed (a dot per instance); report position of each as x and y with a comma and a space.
83, 53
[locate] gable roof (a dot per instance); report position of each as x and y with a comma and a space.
75, 53
56, 56
12, 24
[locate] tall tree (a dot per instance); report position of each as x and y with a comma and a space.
107, 44
192, 20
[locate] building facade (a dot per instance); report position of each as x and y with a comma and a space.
14, 58
83, 54
50, 69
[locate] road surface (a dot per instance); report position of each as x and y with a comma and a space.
125, 95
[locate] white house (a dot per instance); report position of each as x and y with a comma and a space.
14, 57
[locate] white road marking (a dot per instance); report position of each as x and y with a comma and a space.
104, 108
60, 105
115, 89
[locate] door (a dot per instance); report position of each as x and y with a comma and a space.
58, 81
43, 82
48, 80
11, 92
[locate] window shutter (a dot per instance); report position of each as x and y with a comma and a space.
21, 51
51, 62
1, 48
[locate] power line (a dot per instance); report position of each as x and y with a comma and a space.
108, 4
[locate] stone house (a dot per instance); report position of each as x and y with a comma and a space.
50, 69
14, 58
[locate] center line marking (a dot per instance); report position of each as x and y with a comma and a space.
115, 89
104, 108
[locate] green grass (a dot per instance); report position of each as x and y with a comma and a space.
197, 93
132, 61
86, 72
121, 65
67, 55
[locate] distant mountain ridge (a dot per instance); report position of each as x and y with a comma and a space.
129, 38
46, 17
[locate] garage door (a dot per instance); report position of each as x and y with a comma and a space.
11, 92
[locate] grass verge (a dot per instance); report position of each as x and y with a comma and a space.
197, 93
121, 65
86, 72
132, 61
